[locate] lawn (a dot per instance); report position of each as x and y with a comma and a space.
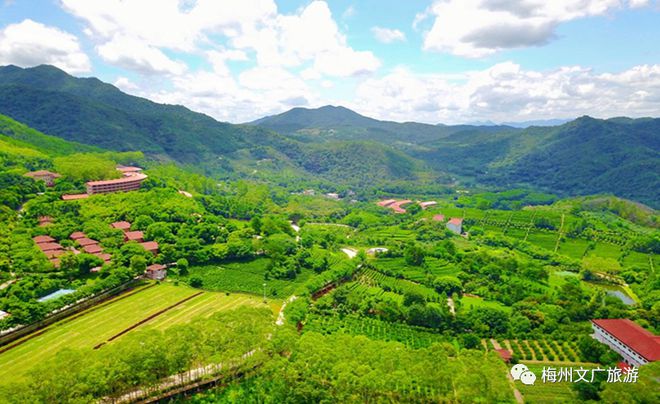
547, 392
469, 302
248, 277
102, 322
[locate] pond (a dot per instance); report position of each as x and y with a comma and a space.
616, 291
56, 294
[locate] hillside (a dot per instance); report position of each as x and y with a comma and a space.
89, 111
330, 123
619, 156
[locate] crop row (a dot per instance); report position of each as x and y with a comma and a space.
549, 350
400, 286
411, 336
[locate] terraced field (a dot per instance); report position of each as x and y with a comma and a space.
158, 306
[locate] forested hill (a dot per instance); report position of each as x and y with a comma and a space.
619, 156
89, 111
330, 123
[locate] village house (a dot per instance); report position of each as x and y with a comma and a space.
134, 236
77, 235
636, 345
45, 221
455, 224
83, 241
150, 246
156, 271
43, 175
43, 239
439, 218
123, 226
92, 249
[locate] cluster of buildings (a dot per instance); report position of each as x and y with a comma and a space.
90, 246
455, 224
51, 249
136, 235
636, 345
131, 180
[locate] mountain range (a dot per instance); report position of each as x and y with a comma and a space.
620, 156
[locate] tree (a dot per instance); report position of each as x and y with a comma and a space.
138, 264
182, 266
414, 255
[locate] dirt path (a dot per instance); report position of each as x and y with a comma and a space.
452, 307
350, 252
495, 344
280, 315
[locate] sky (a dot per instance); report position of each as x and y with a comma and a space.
442, 61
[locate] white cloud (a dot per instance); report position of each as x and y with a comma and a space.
30, 43
126, 85
478, 28
136, 55
387, 35
506, 92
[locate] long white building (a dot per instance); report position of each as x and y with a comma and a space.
636, 345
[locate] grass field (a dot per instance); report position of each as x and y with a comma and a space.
469, 302
104, 321
246, 277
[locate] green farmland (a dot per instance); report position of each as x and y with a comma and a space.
100, 323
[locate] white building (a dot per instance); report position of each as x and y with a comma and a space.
3, 314
636, 345
455, 224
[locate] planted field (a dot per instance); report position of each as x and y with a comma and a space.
160, 305
400, 286
606, 250
547, 392
248, 277
412, 337
543, 239
573, 247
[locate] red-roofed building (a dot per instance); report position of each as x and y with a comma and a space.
77, 235
636, 345
43, 175
505, 354
455, 224
130, 183
397, 206
123, 226
386, 202
43, 239
45, 221
104, 256
439, 218
73, 197
49, 246
128, 171
426, 204
83, 241
134, 236
92, 249
54, 253
157, 272
150, 246
55, 262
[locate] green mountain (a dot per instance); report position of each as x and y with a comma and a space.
330, 123
619, 156
89, 111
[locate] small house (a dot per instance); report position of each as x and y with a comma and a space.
150, 246
156, 271
43, 239
134, 236
92, 249
77, 235
123, 226
455, 224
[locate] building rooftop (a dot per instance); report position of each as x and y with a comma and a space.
633, 335
92, 249
505, 354
457, 221
104, 256
83, 241
156, 267
439, 218
43, 239
128, 169
49, 246
77, 235
73, 197
121, 225
42, 173
386, 202
150, 246
134, 235
132, 178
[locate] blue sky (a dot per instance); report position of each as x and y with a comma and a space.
447, 61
